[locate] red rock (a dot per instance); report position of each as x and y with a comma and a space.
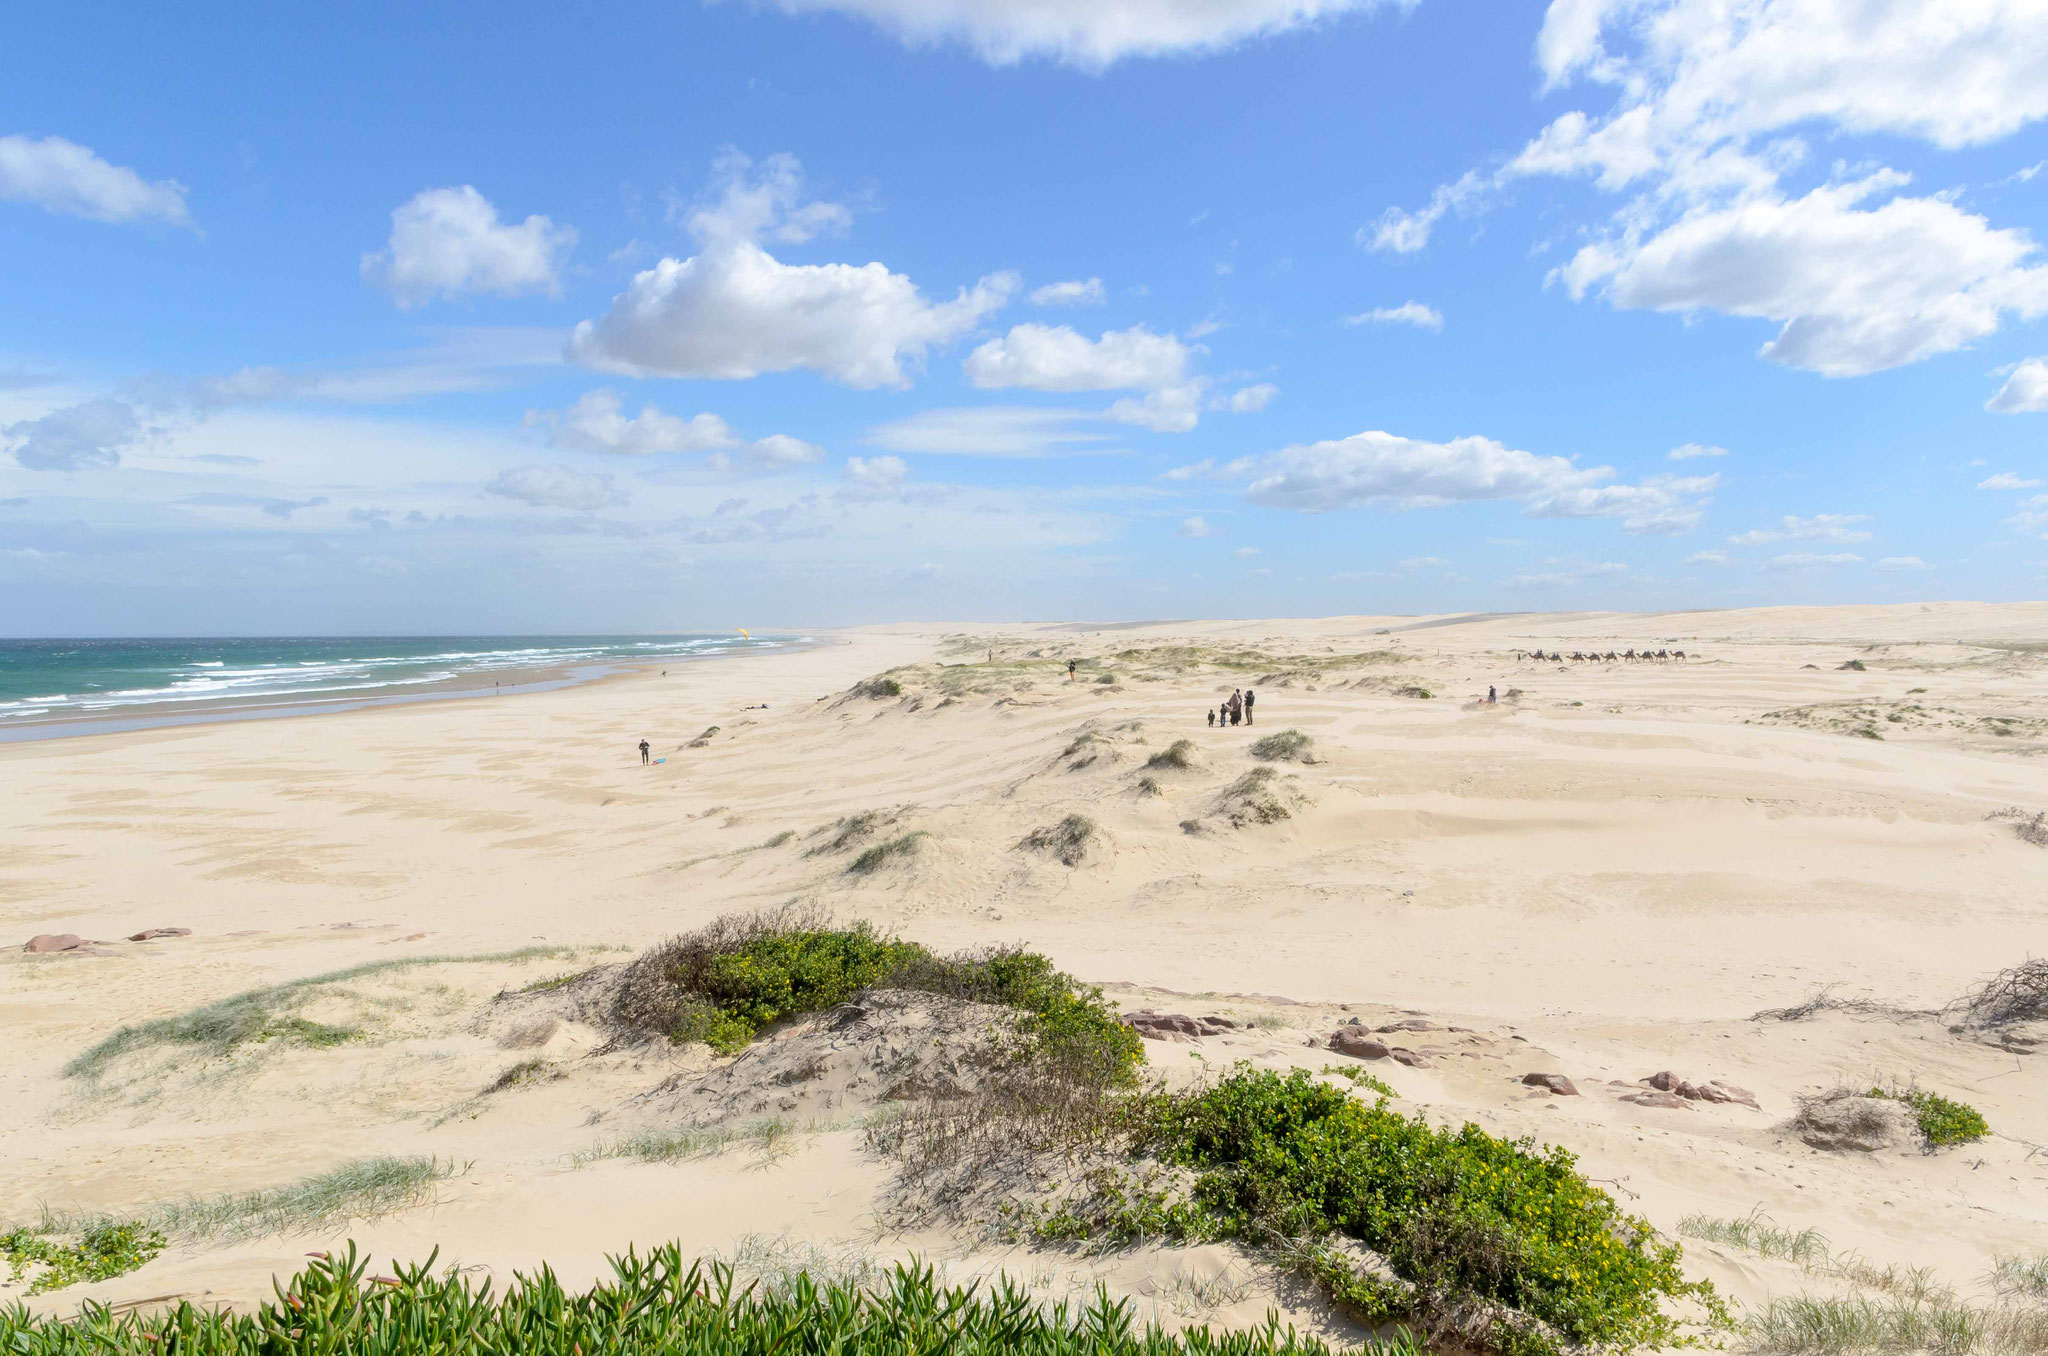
46, 942
1668, 1100
1665, 1081
1175, 1026
1556, 1083
151, 934
1355, 1043
1409, 1058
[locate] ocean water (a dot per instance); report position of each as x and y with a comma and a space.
42, 680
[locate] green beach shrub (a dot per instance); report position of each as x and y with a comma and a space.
1489, 1241
1942, 1122
652, 1305
100, 1252
723, 983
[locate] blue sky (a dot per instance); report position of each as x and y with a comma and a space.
814, 311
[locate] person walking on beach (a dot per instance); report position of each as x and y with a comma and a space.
1249, 696
1212, 719
1490, 698
1235, 706
1070, 670
645, 747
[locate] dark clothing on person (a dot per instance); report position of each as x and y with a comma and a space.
1249, 697
1490, 699
643, 750
1212, 720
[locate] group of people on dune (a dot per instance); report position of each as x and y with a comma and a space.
1237, 710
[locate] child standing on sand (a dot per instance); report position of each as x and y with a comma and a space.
644, 749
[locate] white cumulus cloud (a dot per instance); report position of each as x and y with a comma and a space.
1089, 34
2025, 390
876, 472
2006, 480
1856, 289
1383, 468
597, 423
1407, 313
1714, 105
1072, 293
1170, 409
1692, 450
1058, 358
448, 242
779, 451
63, 176
1195, 527
733, 310
1250, 399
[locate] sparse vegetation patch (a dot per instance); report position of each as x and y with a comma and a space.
2028, 828
881, 854
1070, 840
266, 1015
1175, 757
1290, 746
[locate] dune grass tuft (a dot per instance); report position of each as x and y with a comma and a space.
1070, 840
1756, 1233
881, 854
1175, 757
63, 1250
2026, 1277
362, 1189
1288, 746
679, 1146
260, 1015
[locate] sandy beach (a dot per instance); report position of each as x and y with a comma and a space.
1605, 874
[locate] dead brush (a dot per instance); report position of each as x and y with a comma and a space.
2029, 828
1021, 1119
2012, 996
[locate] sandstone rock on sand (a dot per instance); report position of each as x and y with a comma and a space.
151, 934
1175, 1026
45, 942
1712, 1091
1555, 1083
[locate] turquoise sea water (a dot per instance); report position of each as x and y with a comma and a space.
43, 680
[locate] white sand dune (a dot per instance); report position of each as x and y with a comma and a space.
1603, 875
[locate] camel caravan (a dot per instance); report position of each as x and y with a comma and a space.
1595, 657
